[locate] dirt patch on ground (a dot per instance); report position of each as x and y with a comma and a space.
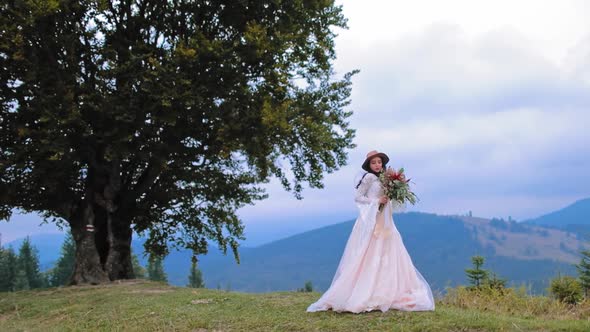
150, 291
127, 282
202, 301
151, 287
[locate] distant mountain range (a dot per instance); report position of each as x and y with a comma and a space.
528, 253
575, 217
441, 248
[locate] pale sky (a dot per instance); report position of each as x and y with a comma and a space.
485, 103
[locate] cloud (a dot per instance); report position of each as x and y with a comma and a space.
488, 119
439, 71
551, 28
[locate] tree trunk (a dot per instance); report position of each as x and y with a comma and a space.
87, 267
118, 263
103, 230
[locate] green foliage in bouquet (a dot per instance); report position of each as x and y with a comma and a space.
396, 187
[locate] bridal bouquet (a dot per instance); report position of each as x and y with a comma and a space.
396, 187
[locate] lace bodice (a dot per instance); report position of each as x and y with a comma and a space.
369, 190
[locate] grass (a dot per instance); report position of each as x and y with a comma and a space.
516, 302
148, 306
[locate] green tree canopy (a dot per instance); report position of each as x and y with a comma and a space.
164, 117
8, 269
477, 276
28, 266
584, 271
62, 272
155, 269
138, 270
195, 278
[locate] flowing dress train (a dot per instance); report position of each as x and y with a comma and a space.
375, 271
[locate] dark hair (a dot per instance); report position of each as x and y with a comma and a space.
361, 180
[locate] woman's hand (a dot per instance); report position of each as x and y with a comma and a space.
383, 199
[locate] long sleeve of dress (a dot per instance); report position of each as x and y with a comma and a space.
362, 190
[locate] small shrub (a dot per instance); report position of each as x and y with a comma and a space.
307, 288
477, 275
566, 289
514, 301
495, 282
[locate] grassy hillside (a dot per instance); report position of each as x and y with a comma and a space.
526, 241
144, 306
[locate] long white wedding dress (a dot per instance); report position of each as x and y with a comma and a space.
375, 271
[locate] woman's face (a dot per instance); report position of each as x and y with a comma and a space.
376, 164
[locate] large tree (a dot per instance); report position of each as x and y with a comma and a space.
164, 117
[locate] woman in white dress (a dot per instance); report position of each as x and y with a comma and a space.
375, 271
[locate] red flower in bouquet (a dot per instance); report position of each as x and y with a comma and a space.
396, 187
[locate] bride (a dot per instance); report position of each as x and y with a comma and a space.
375, 271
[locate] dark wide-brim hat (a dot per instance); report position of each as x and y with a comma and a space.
373, 154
